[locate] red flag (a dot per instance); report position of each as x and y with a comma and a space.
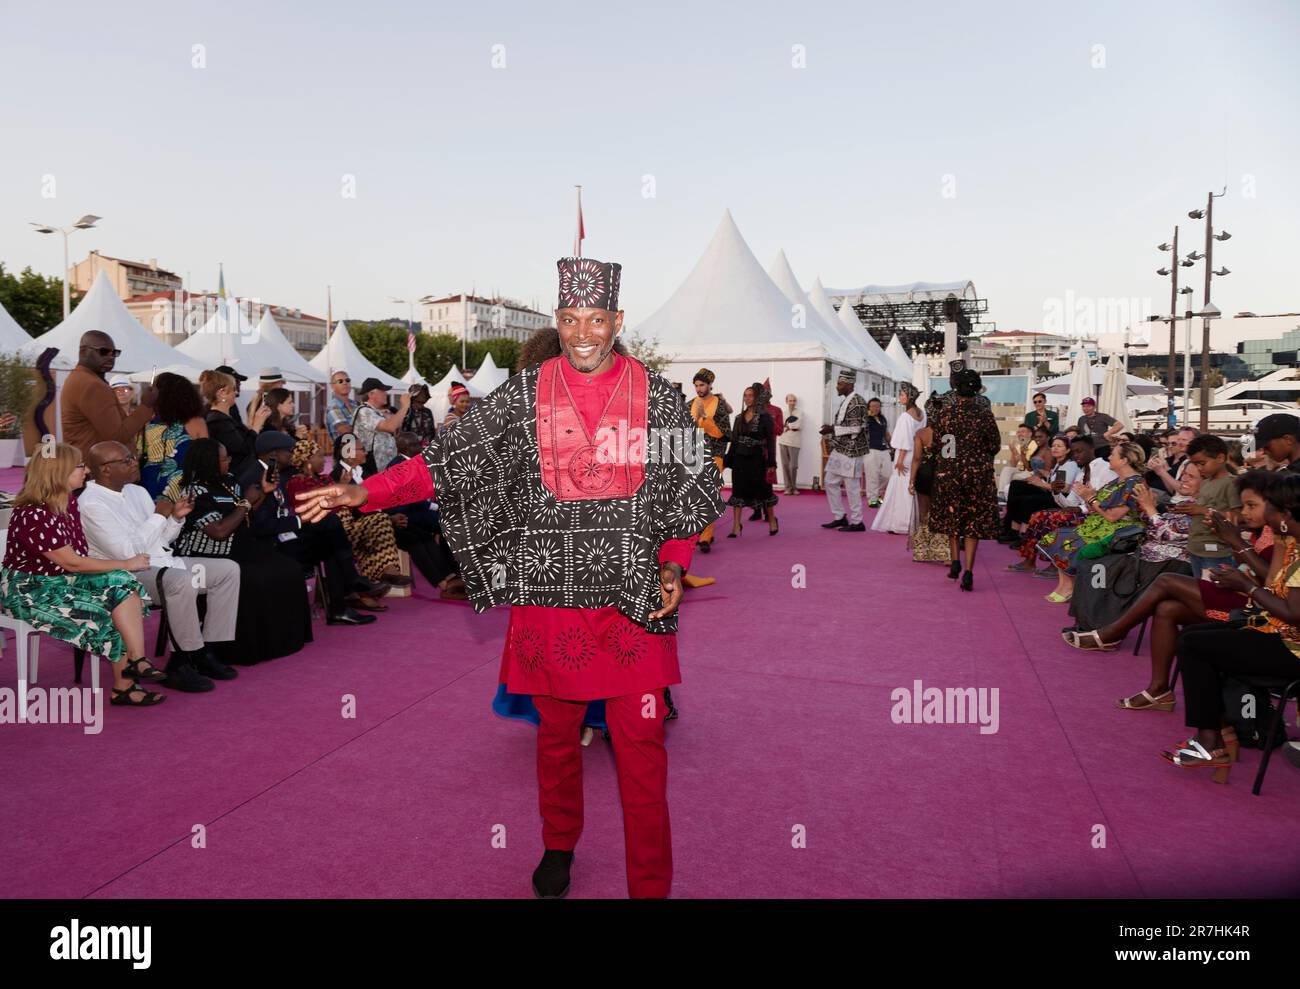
410, 340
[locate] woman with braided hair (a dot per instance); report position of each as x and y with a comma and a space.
899, 509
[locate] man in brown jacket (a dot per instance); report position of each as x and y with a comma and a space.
91, 413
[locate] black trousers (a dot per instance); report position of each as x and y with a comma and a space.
1208, 653
325, 542
1023, 499
428, 555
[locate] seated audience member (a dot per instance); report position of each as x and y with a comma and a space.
1217, 493
179, 420
1165, 472
50, 581
1034, 493
419, 420
1081, 468
89, 410
374, 426
1173, 601
274, 616
1108, 509
121, 520
419, 533
458, 397
279, 405
124, 392
1277, 437
1266, 644
1041, 417
221, 392
324, 542
370, 534
1103, 429
1020, 451
341, 407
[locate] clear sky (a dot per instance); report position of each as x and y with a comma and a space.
992, 141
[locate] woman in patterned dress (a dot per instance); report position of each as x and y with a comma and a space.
751, 454
274, 610
50, 581
927, 546
371, 534
419, 420
964, 505
1109, 509
179, 419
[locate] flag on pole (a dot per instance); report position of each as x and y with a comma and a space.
581, 232
221, 281
410, 339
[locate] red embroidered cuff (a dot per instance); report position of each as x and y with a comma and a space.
401, 484
678, 551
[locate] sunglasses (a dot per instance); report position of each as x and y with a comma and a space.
343, 381
105, 351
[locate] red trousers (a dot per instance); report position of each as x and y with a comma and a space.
636, 728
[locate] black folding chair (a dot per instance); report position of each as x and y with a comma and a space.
1282, 689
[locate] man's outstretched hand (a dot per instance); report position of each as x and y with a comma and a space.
670, 587
315, 504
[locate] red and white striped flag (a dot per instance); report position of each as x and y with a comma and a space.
410, 339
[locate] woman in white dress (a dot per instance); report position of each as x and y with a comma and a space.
895, 515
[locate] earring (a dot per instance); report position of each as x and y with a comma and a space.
1282, 526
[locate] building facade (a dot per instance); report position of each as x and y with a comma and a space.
129, 278
173, 316
471, 318
1029, 349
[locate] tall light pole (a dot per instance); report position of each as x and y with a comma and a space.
410, 327
85, 223
1187, 355
1172, 272
1210, 238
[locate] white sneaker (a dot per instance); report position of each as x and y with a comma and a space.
588, 733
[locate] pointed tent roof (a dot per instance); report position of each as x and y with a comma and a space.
13, 338
413, 377
897, 353
822, 303
438, 402
875, 355
102, 310
783, 275
341, 354
728, 306
488, 376
229, 338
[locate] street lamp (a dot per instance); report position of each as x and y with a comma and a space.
85, 223
1208, 215
410, 328
1171, 272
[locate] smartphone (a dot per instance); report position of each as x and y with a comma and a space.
1059, 477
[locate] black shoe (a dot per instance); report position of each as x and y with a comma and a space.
348, 617
181, 675
370, 588
858, 527
210, 666
551, 877
954, 570
967, 581
706, 545
668, 702
757, 515
837, 524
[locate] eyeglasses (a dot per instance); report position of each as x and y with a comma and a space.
79, 467
105, 351
1038, 401
130, 458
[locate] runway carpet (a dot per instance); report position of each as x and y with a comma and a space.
788, 776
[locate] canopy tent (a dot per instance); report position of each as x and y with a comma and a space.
13, 338
1080, 387
186, 371
858, 332
229, 338
836, 345
1057, 387
822, 305
899, 294
413, 377
488, 376
102, 310
439, 403
897, 353
1112, 400
341, 354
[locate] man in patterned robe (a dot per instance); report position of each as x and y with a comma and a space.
574, 493
849, 441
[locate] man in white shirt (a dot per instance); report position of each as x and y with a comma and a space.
121, 520
849, 441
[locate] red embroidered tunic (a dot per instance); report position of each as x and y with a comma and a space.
578, 654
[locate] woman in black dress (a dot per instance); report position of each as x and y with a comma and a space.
274, 611
751, 456
964, 500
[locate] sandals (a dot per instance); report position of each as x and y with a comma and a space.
135, 670
1196, 756
122, 698
1021, 567
1057, 598
1078, 640
1160, 702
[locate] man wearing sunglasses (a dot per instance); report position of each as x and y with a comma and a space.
1041, 415
91, 413
342, 407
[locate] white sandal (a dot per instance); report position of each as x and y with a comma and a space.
1077, 640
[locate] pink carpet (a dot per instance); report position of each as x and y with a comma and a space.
785, 727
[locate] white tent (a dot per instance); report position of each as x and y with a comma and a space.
488, 376
921, 378
413, 377
13, 338
1112, 400
439, 403
897, 353
836, 346
229, 338
822, 305
728, 315
187, 371
1080, 387
877, 357
341, 354
102, 310
1058, 387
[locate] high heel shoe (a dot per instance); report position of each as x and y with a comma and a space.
776, 529
733, 535
1196, 756
967, 581
954, 570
